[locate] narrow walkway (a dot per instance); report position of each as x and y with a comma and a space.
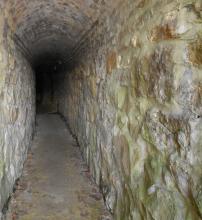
55, 184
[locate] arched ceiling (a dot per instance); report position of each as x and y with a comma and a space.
54, 26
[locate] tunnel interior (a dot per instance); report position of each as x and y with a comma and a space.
47, 33
126, 77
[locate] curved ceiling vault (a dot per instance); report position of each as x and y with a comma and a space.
53, 27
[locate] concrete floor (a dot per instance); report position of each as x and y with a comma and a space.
55, 184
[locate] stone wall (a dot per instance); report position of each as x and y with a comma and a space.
17, 110
133, 98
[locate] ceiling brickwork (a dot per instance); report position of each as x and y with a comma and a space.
54, 26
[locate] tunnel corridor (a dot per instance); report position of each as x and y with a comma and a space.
116, 81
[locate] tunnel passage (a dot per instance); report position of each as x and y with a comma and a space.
129, 87
47, 70
37, 41
47, 33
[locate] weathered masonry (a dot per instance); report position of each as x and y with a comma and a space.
127, 75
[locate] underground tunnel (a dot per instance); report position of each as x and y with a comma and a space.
47, 69
118, 82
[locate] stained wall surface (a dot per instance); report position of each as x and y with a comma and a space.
17, 109
134, 101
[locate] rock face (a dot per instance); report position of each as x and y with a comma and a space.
17, 109
134, 101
